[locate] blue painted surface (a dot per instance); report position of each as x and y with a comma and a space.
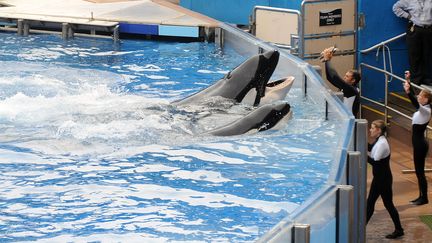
144, 29
180, 31
235, 11
381, 24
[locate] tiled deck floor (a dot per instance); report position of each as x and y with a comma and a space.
404, 189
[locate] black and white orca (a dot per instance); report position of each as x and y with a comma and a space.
269, 116
246, 83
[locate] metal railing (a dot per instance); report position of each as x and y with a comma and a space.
386, 52
387, 81
388, 78
383, 43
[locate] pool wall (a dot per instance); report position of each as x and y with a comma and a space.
335, 213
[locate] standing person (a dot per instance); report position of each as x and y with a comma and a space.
348, 84
382, 180
420, 120
418, 37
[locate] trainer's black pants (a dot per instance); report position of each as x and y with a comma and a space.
420, 151
419, 42
383, 188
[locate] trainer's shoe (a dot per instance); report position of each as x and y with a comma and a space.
420, 201
396, 234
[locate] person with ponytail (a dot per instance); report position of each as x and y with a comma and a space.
420, 120
379, 158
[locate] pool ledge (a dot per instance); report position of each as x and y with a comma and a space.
173, 19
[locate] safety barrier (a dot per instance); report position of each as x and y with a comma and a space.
337, 212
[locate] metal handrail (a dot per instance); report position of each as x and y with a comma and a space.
385, 105
382, 43
385, 50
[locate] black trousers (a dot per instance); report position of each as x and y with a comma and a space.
383, 188
419, 42
420, 152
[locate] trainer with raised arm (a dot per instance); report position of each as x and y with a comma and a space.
347, 84
420, 121
418, 37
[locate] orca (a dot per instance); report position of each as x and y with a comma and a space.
269, 116
253, 74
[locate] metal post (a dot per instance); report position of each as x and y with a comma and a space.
20, 27
305, 85
209, 33
65, 27
219, 39
70, 32
301, 233
360, 145
386, 100
116, 33
344, 213
354, 180
26, 28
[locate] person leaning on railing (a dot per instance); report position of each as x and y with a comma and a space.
418, 37
379, 158
348, 85
420, 121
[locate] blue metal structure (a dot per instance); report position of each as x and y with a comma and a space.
235, 11
380, 24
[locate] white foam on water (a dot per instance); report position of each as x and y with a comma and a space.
171, 152
40, 54
152, 168
13, 157
142, 86
236, 148
89, 168
212, 200
146, 68
277, 176
156, 77
165, 83
204, 71
199, 175
111, 53
26, 234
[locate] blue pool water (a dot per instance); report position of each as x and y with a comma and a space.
92, 151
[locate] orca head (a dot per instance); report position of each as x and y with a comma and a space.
269, 116
254, 74
276, 118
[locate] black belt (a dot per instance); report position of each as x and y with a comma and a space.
424, 26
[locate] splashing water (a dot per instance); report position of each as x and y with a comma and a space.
92, 150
